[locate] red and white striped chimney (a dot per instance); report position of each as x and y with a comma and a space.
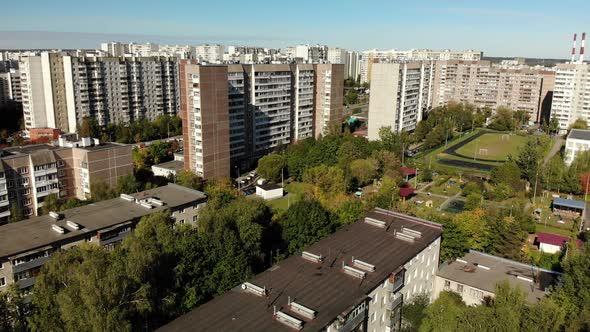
574, 48
582, 47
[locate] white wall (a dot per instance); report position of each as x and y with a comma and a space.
549, 248
383, 97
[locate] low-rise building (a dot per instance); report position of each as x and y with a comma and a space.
169, 168
269, 191
356, 279
552, 243
27, 245
577, 141
475, 276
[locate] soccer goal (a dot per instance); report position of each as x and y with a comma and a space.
483, 152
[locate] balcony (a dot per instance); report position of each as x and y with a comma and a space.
355, 322
30, 264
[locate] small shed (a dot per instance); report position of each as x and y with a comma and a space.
406, 192
269, 191
552, 243
408, 172
568, 206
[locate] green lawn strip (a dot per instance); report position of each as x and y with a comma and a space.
553, 230
499, 146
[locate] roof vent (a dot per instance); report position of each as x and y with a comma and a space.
354, 272
302, 310
73, 225
404, 237
146, 205
256, 290
312, 257
58, 229
157, 202
54, 215
375, 222
411, 232
289, 320
363, 265
127, 197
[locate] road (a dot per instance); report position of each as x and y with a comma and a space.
554, 150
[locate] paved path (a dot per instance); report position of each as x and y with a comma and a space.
554, 150
449, 200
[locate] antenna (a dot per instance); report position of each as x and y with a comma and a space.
574, 48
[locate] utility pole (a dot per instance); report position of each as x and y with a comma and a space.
536, 180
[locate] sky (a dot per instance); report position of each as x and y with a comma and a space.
529, 28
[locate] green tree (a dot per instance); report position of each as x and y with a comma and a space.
509, 174
579, 124
328, 179
271, 167
503, 120
127, 185
473, 201
454, 242
13, 310
89, 127
529, 159
414, 312
364, 170
51, 203
349, 211
442, 315
189, 179
304, 223
101, 191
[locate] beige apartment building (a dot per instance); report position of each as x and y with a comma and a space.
31, 173
255, 109
571, 100
28, 244
401, 94
481, 84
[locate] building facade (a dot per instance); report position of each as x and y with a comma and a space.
400, 96
28, 244
209, 53
571, 100
59, 91
486, 86
352, 65
373, 266
265, 107
31, 173
577, 141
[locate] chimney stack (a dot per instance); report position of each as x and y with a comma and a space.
574, 48
582, 47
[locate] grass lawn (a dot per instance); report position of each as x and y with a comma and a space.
445, 188
553, 230
493, 146
436, 201
295, 192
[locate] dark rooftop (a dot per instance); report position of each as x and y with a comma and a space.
26, 235
579, 134
322, 287
269, 186
484, 271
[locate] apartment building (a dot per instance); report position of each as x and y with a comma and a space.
5, 88
308, 53
116, 49
352, 65
401, 94
28, 244
486, 86
267, 106
33, 172
143, 50
571, 100
375, 56
58, 91
205, 117
475, 276
210, 53
10, 90
577, 142
337, 55
328, 98
356, 279
180, 51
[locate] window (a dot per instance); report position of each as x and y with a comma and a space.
2, 282
182, 210
376, 298
1, 265
459, 288
26, 191
195, 218
447, 284
23, 170
61, 163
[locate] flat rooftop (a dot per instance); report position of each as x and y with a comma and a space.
269, 186
30, 234
485, 271
579, 134
174, 165
322, 287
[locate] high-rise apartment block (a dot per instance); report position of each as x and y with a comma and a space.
5, 88
255, 109
308, 53
401, 94
210, 53
58, 91
571, 100
30, 173
27, 245
376, 56
143, 50
336, 55
352, 65
481, 84
115, 48
356, 279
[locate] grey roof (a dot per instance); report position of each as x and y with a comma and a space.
322, 287
174, 165
269, 186
579, 134
569, 203
472, 274
36, 232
